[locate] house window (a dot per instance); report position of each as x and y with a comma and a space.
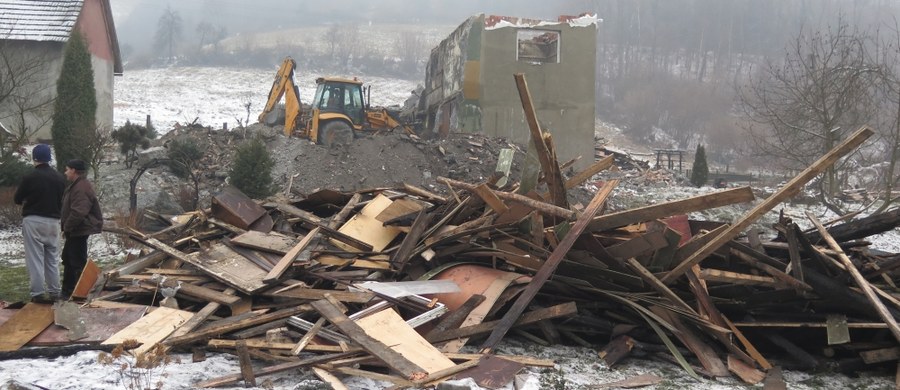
537, 46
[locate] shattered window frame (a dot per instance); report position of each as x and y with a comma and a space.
534, 45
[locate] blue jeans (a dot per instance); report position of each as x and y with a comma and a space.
41, 236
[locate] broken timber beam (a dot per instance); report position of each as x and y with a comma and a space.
667, 209
790, 189
543, 207
552, 174
548, 268
858, 278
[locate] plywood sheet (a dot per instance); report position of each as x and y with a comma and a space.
365, 227
24, 325
152, 328
100, 324
389, 328
87, 279
266, 242
229, 267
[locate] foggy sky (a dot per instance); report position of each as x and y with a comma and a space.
136, 20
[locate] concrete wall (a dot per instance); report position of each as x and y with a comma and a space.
562, 93
36, 67
477, 93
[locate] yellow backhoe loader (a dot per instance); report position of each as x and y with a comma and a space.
340, 108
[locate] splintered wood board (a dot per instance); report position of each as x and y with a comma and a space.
100, 324
365, 227
23, 326
152, 328
391, 330
87, 279
265, 242
229, 267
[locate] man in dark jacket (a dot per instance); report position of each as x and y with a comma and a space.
81, 217
40, 195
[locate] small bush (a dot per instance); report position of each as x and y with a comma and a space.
131, 136
252, 170
138, 371
12, 169
185, 153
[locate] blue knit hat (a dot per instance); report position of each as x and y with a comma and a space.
41, 153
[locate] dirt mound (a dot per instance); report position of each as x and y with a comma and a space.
371, 161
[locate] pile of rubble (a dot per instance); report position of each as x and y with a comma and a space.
391, 283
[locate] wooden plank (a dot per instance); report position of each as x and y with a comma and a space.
215, 330
561, 310
549, 267
651, 279
408, 246
491, 199
774, 380
364, 227
352, 330
399, 208
722, 276
789, 190
24, 325
245, 364
638, 246
390, 329
288, 259
328, 378
688, 336
229, 267
880, 355
151, 329
552, 174
662, 210
199, 317
269, 242
86, 280
592, 170
316, 294
304, 341
543, 207
744, 371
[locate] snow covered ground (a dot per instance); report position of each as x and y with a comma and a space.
214, 96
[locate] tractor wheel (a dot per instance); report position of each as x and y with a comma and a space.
336, 133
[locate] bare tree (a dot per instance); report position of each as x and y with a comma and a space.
410, 49
26, 93
168, 32
343, 42
801, 106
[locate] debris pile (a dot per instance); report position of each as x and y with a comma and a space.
391, 283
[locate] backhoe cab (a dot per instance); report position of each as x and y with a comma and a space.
340, 107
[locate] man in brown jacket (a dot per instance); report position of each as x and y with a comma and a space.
80, 218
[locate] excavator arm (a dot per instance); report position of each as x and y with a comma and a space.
284, 86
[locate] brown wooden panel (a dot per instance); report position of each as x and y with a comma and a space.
27, 323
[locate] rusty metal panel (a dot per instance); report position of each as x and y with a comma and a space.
492, 372
233, 207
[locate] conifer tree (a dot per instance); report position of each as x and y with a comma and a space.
252, 170
700, 171
75, 109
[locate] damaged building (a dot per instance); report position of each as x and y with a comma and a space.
468, 78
